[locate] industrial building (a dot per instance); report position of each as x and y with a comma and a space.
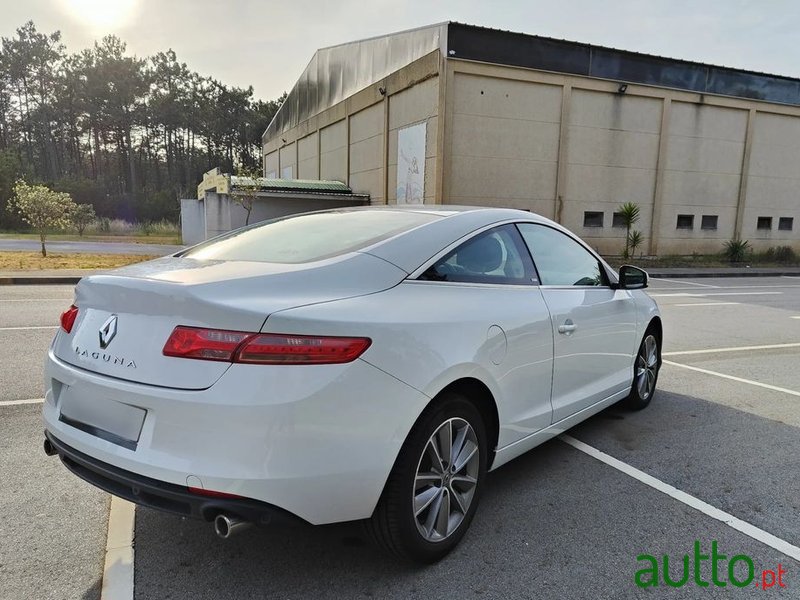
458, 114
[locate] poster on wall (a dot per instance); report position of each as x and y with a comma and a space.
411, 164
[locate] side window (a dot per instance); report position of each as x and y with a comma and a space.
494, 256
559, 259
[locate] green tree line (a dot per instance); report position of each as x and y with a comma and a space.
128, 135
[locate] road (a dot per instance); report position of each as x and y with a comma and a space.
53, 532
89, 247
556, 523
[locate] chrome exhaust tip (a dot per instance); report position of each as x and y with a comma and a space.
225, 526
48, 448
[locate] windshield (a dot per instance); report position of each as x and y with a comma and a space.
309, 237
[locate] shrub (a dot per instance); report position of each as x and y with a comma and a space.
630, 215
781, 254
736, 250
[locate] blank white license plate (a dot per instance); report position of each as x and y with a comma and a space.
102, 416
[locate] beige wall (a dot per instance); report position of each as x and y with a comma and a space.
366, 153
611, 158
333, 152
417, 104
503, 143
560, 145
287, 157
773, 183
308, 157
271, 164
702, 172
348, 142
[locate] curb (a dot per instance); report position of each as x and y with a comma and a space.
41, 280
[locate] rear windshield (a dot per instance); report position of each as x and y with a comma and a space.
309, 237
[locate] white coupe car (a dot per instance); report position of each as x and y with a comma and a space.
350, 364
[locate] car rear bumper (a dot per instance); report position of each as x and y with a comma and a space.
315, 441
165, 496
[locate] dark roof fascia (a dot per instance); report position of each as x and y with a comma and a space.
469, 42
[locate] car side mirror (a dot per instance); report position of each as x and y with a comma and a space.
632, 278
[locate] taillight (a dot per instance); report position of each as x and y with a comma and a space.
263, 348
278, 349
211, 493
68, 318
206, 344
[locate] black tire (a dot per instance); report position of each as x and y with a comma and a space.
645, 372
394, 524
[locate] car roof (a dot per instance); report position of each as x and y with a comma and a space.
414, 247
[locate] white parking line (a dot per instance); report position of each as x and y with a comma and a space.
706, 285
708, 304
707, 294
20, 402
24, 328
118, 567
728, 287
733, 348
715, 513
767, 386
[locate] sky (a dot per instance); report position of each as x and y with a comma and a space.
267, 44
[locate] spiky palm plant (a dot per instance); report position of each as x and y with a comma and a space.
630, 214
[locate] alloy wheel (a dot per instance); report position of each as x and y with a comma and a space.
647, 367
446, 479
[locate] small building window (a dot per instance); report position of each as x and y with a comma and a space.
592, 219
619, 220
685, 222
764, 223
709, 222
785, 223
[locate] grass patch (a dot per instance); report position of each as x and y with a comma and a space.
33, 261
74, 237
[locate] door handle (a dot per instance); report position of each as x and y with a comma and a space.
567, 328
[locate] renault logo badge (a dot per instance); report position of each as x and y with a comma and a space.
108, 331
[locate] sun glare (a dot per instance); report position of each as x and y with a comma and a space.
100, 16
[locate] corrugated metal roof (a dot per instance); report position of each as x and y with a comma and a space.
310, 185
337, 72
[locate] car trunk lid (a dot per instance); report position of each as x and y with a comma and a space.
125, 317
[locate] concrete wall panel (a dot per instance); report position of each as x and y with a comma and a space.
333, 152
271, 164
308, 156
504, 143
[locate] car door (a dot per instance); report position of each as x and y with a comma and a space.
594, 326
490, 284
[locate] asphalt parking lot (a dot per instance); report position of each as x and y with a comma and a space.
724, 428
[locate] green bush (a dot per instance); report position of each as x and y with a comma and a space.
736, 250
781, 254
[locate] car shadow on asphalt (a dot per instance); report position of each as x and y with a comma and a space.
549, 517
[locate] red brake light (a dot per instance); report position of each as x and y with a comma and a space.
279, 349
68, 318
211, 493
263, 348
207, 344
